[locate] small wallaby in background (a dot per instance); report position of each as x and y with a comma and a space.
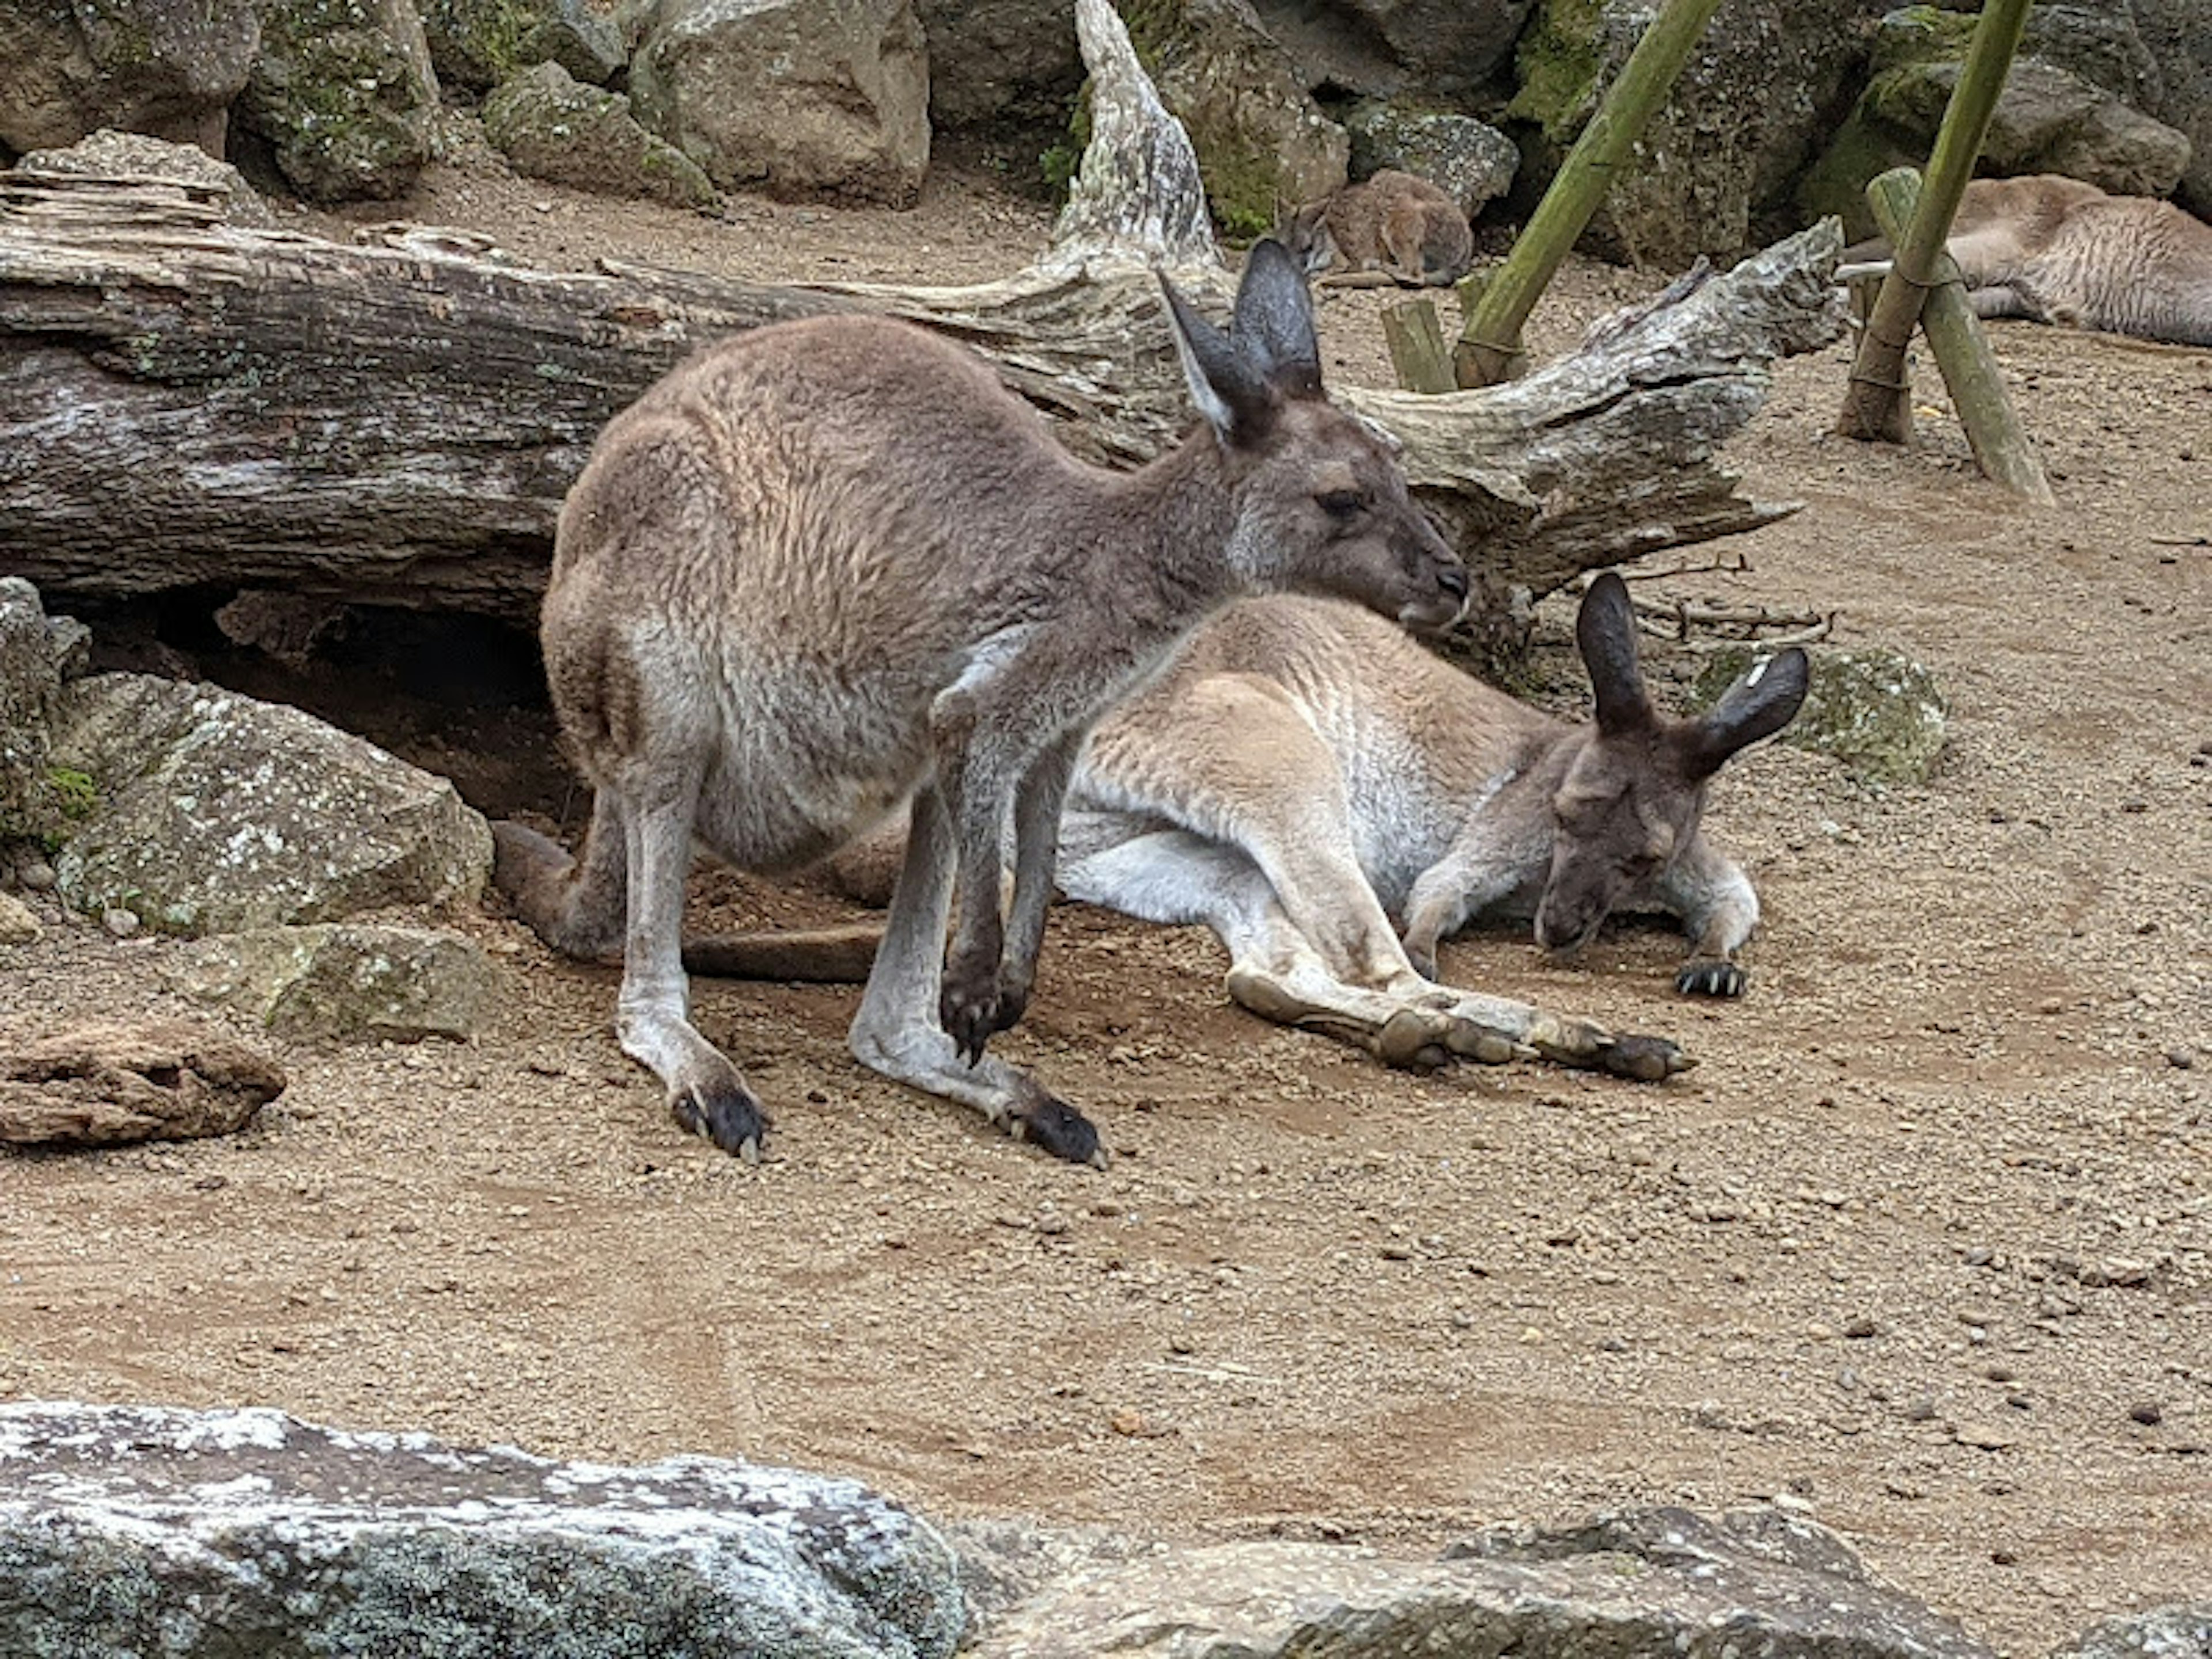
832, 564
1304, 773
2056, 250
1392, 222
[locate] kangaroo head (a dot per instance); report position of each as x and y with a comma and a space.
1629, 800
1320, 503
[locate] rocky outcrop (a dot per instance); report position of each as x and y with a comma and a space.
1472, 161
1876, 710
803, 97
108, 1084
1001, 63
166, 67
1431, 50
551, 125
2177, 35
1263, 145
344, 96
109, 154
1714, 172
1649, 1582
210, 1534
213, 813
2171, 1632
37, 651
346, 981
477, 44
2073, 104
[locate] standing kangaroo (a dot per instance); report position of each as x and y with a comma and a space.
832, 563
1395, 222
1304, 774
2056, 250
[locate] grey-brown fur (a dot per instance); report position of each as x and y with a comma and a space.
1395, 222
1312, 785
2058, 251
832, 564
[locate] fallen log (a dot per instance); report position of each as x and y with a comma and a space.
190, 403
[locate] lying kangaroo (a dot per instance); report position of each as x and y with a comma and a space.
2056, 250
1395, 222
1303, 772
832, 563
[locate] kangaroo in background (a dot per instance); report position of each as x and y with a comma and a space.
2056, 250
830, 564
1304, 773
1395, 222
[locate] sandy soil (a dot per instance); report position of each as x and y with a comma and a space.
1922, 1247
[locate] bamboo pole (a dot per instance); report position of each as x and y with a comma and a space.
2001, 447
1876, 404
1416, 339
1489, 348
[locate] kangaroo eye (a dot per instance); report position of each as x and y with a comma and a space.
1341, 503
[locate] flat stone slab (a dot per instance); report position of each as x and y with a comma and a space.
151, 1533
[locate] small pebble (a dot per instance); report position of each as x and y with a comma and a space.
2180, 1059
119, 922
2147, 1413
1860, 1327
36, 874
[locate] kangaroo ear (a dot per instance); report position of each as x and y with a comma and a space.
1227, 391
1605, 629
1274, 330
1758, 705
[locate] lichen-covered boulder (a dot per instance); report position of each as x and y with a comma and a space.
37, 652
1470, 160
166, 67
477, 44
2070, 105
1713, 171
344, 96
140, 1530
1877, 710
108, 153
552, 126
1652, 1582
827, 98
346, 981
215, 814
2177, 35
2168, 1632
1001, 63
1263, 145
1432, 50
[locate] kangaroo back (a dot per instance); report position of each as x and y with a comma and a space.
1393, 221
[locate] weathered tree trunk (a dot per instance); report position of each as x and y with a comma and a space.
189, 404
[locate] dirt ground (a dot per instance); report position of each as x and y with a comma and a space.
1924, 1246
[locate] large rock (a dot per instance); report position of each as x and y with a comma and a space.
1877, 710
142, 1531
1470, 160
2069, 107
346, 981
216, 813
2178, 36
1712, 174
1426, 49
552, 126
2171, 1632
1655, 1582
1263, 144
344, 96
166, 67
993, 63
108, 154
477, 44
798, 97
37, 800
107, 1085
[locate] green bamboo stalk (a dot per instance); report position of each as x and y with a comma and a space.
1876, 404
1489, 348
2001, 447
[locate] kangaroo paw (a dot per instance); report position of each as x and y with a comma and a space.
1646, 1059
1041, 1117
724, 1113
1710, 976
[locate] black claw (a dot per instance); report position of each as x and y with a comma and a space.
1710, 977
1646, 1059
732, 1119
1059, 1129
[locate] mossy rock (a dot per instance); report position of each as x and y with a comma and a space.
550, 126
344, 95
1876, 710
